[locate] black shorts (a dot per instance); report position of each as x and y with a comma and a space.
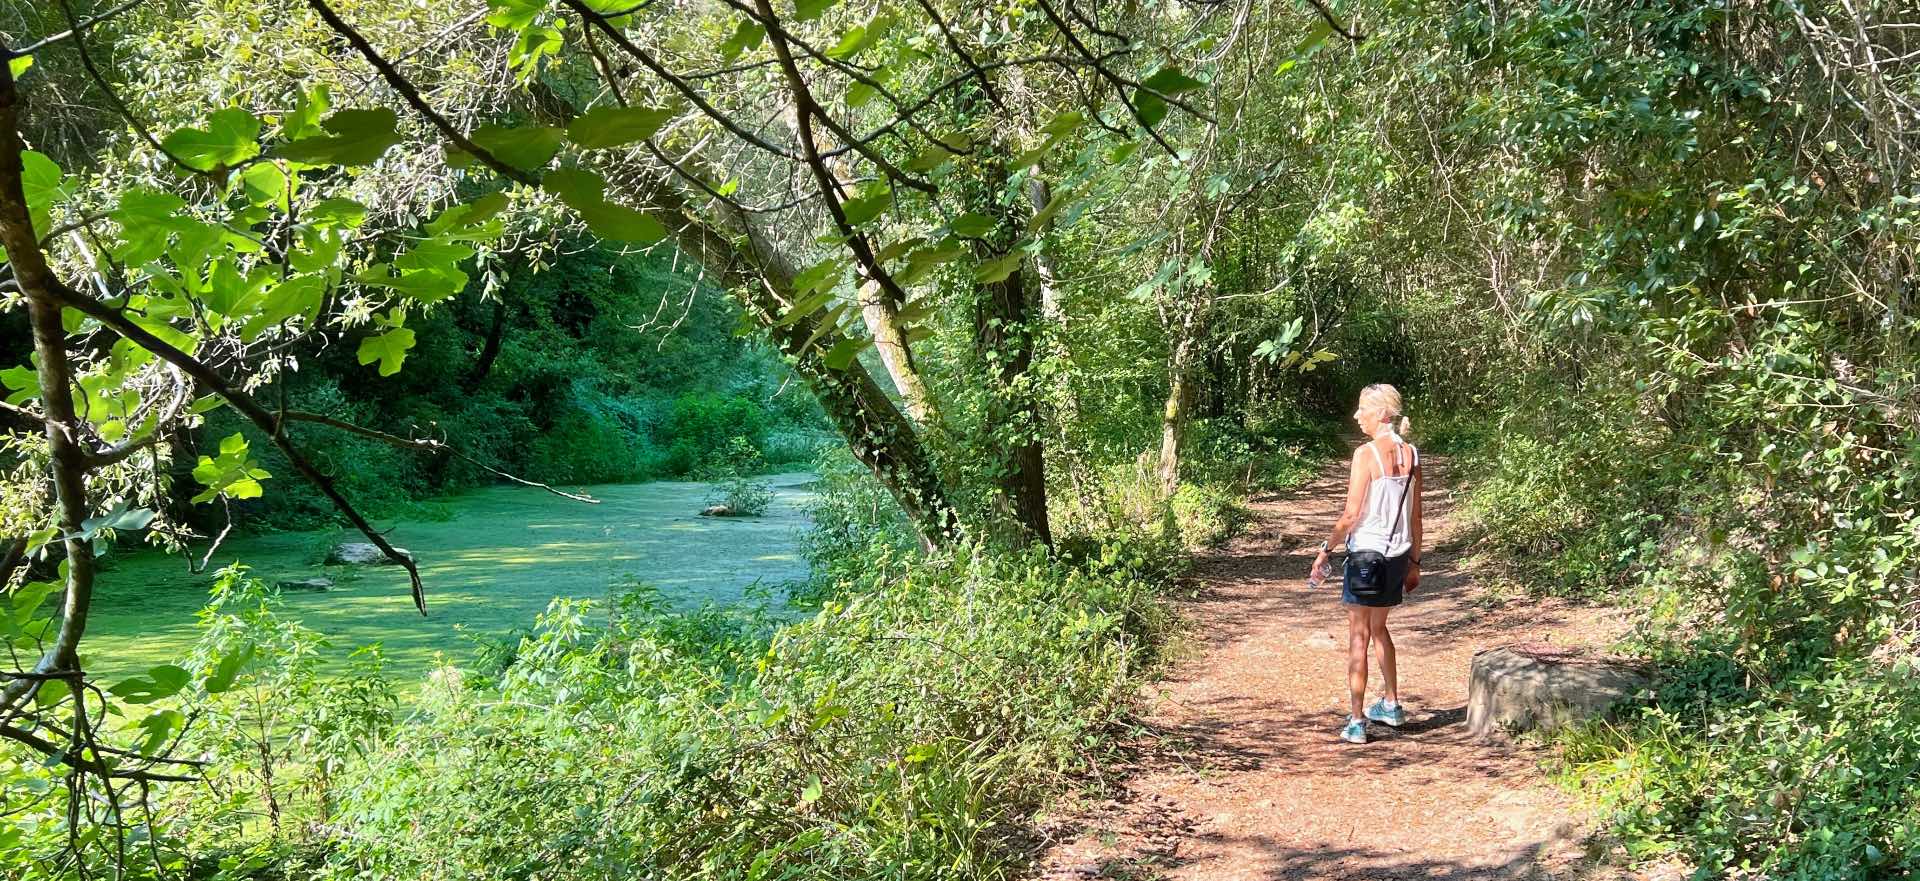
1393, 584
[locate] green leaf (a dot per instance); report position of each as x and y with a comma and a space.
527, 147
804, 307
860, 37
620, 223
972, 225
585, 193
41, 179
159, 682
233, 474
841, 356
52, 692
812, 791
430, 284
808, 10
160, 727
1150, 107
337, 213
999, 268
304, 120
1042, 217
1315, 35
1170, 81
228, 670
863, 210
359, 137
1064, 124
19, 65
297, 296
604, 128
746, 37
390, 349
265, 185
120, 518
471, 221
24, 381
232, 136
514, 15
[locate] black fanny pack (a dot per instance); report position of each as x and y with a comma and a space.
1371, 573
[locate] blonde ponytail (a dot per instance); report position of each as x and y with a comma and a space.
1387, 398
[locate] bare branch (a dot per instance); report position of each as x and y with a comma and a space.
72, 29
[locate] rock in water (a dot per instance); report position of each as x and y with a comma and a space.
360, 553
314, 585
717, 511
1519, 688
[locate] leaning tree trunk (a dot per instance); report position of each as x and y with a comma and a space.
880, 436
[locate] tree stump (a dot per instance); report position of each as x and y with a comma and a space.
1518, 688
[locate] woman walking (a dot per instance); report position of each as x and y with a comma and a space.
1382, 529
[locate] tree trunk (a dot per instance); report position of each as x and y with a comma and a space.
62, 425
882, 317
1179, 408
1003, 331
483, 365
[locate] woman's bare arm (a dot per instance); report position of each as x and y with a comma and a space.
1356, 497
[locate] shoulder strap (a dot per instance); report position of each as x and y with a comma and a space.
1399, 509
1376, 458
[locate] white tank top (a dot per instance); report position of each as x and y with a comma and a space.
1377, 530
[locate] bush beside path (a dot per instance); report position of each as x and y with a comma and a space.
1240, 773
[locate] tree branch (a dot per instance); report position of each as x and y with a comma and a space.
425, 445
412, 96
73, 30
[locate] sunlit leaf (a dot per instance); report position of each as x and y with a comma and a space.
232, 136
606, 127
390, 349
163, 681
527, 147
358, 137
998, 269
841, 356
160, 728
1170, 81
746, 37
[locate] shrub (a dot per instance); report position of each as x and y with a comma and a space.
705, 423
730, 471
901, 733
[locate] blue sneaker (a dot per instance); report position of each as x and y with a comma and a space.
1395, 715
1355, 732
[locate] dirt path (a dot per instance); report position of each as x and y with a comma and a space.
1244, 777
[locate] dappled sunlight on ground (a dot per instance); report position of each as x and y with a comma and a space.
1239, 772
490, 568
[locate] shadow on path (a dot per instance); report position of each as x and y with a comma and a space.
1238, 772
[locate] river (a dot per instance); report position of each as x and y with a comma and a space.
490, 568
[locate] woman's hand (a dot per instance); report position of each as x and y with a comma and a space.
1319, 571
1413, 575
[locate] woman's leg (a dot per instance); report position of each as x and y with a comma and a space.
1389, 667
1359, 628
